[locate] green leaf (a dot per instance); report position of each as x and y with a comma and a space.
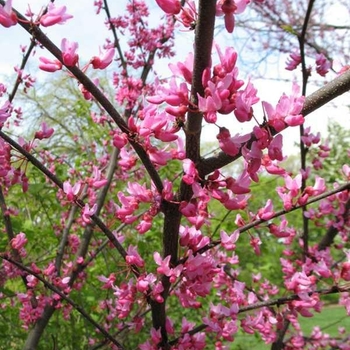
289, 29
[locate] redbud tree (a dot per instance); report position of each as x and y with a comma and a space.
136, 239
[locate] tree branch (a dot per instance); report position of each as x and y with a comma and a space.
172, 215
202, 60
305, 76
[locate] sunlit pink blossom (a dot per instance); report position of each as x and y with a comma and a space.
103, 60
253, 158
133, 257
88, 212
49, 65
231, 145
239, 185
32, 281
282, 230
267, 211
275, 148
322, 64
108, 281
183, 69
287, 111
171, 7
7, 17
55, 15
5, 112
69, 56
44, 133
190, 171
244, 101
144, 225
255, 242
293, 185
228, 242
71, 191
293, 61
97, 181
19, 241
228, 8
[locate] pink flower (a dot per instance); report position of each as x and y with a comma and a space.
293, 185
171, 7
319, 187
275, 148
120, 139
108, 281
55, 16
69, 56
162, 263
229, 8
183, 69
144, 225
103, 60
32, 281
190, 171
282, 230
97, 181
144, 282
19, 241
7, 17
300, 283
287, 111
231, 145
235, 202
293, 61
239, 185
159, 156
133, 257
165, 269
228, 242
50, 270
44, 133
5, 112
322, 64
267, 212
244, 101
2, 89
253, 158
71, 191
345, 271
209, 106
49, 65
255, 242
88, 212
188, 15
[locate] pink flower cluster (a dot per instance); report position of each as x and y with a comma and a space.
221, 94
7, 17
